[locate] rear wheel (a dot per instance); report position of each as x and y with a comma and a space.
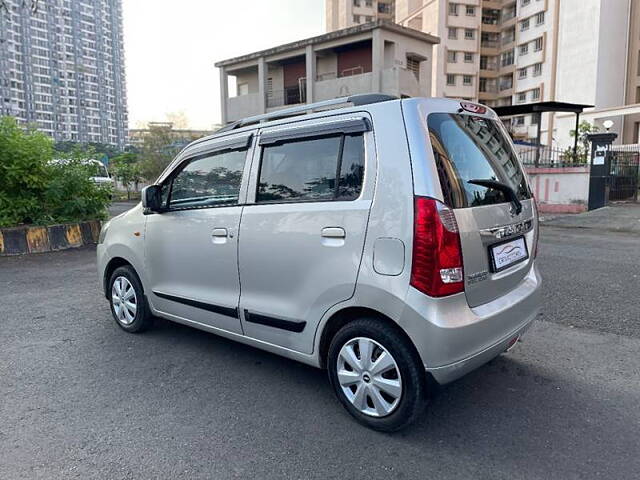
377, 375
128, 305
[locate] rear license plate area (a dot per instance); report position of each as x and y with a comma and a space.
508, 253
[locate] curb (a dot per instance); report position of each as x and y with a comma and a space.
36, 239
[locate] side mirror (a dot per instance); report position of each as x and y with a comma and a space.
151, 199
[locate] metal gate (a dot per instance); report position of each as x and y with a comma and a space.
624, 169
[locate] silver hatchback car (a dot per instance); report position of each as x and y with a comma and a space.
389, 241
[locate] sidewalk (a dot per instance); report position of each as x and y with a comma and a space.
623, 217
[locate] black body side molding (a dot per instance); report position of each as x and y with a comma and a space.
227, 311
288, 325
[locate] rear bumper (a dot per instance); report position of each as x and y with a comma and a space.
454, 339
451, 372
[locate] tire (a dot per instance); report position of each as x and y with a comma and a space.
400, 407
131, 319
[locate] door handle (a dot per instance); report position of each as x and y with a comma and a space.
220, 232
333, 232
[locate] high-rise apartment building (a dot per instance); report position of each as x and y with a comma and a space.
62, 68
504, 52
348, 13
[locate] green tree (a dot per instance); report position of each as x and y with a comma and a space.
584, 130
126, 168
24, 159
156, 153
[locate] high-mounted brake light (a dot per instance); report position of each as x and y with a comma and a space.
436, 269
473, 108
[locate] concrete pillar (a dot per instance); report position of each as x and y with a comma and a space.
377, 61
262, 85
310, 57
224, 95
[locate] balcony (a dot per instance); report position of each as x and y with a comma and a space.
243, 106
400, 81
341, 86
288, 96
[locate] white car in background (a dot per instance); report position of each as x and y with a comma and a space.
99, 173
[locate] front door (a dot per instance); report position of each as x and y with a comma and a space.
303, 229
192, 247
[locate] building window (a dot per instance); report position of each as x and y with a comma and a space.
537, 70
535, 94
483, 84
452, 56
413, 65
451, 79
540, 18
453, 33
471, 11
356, 19
368, 18
524, 25
468, 57
519, 121
507, 58
368, 3
524, 49
356, 3
522, 73
525, 2
522, 97
453, 9
537, 45
467, 80
469, 33
384, 7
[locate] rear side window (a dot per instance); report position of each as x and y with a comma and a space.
307, 170
468, 147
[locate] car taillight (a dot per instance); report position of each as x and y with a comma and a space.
436, 268
536, 228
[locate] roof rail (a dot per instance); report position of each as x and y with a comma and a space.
355, 100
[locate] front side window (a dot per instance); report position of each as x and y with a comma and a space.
319, 169
207, 181
468, 147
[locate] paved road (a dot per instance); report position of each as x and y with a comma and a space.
116, 208
82, 399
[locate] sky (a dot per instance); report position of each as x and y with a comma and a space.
171, 46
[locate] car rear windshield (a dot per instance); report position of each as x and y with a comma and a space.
469, 147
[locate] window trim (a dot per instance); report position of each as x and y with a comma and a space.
335, 197
340, 127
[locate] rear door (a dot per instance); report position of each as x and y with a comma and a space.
497, 242
303, 229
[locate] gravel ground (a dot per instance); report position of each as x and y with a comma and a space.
82, 399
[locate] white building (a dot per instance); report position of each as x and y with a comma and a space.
505, 52
62, 68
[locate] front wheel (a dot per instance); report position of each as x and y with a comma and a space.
128, 305
377, 375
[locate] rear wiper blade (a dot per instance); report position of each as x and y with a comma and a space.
508, 192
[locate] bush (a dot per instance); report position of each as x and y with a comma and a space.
33, 190
23, 172
71, 195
